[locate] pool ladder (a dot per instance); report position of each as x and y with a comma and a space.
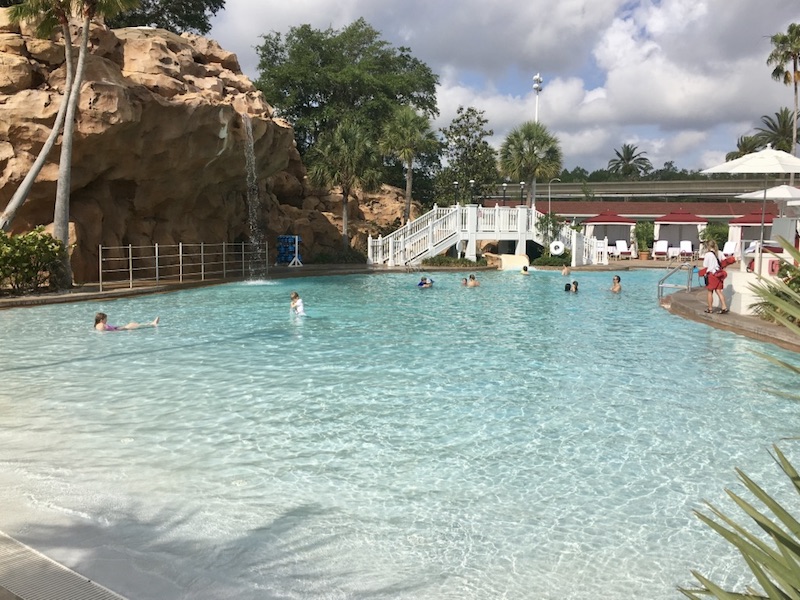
663, 285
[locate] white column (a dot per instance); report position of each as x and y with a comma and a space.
472, 232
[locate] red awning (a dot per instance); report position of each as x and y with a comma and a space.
609, 218
753, 218
680, 217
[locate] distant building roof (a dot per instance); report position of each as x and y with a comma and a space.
647, 211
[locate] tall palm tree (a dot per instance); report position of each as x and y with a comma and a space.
88, 9
786, 50
48, 15
528, 153
630, 163
746, 144
405, 136
345, 157
777, 131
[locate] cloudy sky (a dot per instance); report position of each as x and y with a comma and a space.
680, 79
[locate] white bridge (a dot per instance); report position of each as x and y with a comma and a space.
464, 226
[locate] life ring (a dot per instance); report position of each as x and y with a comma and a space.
556, 248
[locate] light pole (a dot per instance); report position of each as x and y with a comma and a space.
549, 210
505, 185
522, 192
549, 183
455, 185
537, 87
472, 191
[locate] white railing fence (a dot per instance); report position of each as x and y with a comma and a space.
588, 250
169, 263
441, 228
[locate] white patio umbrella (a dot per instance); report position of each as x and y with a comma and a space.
786, 193
766, 161
779, 192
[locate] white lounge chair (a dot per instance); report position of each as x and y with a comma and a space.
686, 250
661, 249
730, 248
622, 249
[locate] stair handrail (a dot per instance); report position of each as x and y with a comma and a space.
404, 244
662, 285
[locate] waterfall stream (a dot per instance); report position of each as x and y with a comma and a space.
257, 262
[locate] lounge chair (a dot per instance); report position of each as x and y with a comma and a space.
686, 250
622, 249
730, 248
661, 249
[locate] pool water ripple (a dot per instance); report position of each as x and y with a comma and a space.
506, 441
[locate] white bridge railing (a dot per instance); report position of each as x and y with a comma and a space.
165, 263
461, 226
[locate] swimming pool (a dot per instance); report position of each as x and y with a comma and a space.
506, 441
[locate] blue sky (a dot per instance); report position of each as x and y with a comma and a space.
680, 79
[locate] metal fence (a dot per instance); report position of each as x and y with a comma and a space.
169, 263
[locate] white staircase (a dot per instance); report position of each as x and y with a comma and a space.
442, 228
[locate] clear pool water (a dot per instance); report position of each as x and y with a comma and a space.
507, 441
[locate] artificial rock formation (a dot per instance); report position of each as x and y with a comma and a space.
159, 152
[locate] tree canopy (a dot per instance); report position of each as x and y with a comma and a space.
530, 153
780, 130
630, 163
469, 156
186, 15
345, 157
404, 137
317, 78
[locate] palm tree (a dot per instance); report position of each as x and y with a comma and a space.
746, 144
630, 163
88, 9
48, 15
786, 50
777, 131
406, 136
345, 157
531, 152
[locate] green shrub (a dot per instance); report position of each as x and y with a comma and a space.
717, 232
553, 261
450, 261
644, 232
345, 256
29, 261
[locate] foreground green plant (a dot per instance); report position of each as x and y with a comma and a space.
30, 261
774, 565
780, 298
774, 558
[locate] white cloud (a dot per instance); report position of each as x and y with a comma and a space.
684, 78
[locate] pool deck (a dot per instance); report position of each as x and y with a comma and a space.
688, 305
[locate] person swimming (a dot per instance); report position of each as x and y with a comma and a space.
525, 270
101, 324
424, 282
296, 305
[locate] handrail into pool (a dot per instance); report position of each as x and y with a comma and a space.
662, 285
